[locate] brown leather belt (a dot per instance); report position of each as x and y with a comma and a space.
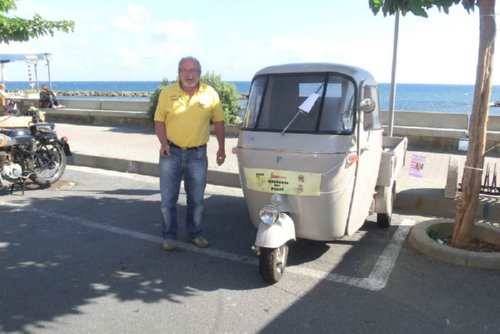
186, 148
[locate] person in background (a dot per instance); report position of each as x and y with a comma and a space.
3, 99
182, 124
48, 98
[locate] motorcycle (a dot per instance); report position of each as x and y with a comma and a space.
31, 150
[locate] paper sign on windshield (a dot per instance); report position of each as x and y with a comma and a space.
308, 104
283, 181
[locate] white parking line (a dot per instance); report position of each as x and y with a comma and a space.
375, 281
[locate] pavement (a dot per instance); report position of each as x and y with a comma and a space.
431, 193
85, 256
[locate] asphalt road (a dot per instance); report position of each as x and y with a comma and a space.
85, 256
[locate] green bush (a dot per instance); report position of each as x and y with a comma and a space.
228, 94
155, 96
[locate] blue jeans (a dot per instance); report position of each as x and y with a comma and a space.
192, 165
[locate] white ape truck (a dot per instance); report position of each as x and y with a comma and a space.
313, 161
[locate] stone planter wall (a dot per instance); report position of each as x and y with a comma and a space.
420, 241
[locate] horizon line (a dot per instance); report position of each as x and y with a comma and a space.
248, 81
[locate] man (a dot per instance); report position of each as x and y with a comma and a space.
48, 98
182, 125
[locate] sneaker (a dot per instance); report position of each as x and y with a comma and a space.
199, 242
169, 244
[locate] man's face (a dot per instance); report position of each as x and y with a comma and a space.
189, 74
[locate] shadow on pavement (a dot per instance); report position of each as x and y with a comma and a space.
55, 264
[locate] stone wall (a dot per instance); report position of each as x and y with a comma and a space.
425, 130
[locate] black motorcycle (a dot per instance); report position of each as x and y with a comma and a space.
32, 153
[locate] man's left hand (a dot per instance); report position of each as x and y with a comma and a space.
221, 157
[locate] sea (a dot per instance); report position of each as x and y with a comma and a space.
409, 97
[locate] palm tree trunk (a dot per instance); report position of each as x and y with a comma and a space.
471, 181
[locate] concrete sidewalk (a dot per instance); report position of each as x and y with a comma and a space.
135, 150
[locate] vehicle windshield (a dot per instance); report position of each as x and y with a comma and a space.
274, 101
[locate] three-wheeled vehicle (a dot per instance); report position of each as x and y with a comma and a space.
313, 161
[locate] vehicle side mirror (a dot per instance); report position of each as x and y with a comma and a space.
367, 105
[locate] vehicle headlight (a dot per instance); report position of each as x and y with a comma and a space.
269, 214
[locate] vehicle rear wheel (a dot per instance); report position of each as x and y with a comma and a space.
384, 219
272, 263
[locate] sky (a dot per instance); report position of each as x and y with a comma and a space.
120, 40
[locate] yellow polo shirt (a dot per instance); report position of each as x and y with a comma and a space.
187, 118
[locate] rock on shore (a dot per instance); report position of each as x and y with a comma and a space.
103, 93
243, 96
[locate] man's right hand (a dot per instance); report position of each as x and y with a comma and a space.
165, 150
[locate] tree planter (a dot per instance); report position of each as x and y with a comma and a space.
420, 241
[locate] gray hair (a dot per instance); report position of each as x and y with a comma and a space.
190, 58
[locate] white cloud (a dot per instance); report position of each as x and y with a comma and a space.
138, 13
326, 50
174, 30
302, 48
136, 20
127, 57
99, 28
127, 24
14, 47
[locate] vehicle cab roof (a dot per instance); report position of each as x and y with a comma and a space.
358, 74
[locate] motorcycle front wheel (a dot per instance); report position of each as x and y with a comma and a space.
272, 263
49, 164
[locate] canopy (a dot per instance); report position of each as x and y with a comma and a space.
27, 57
30, 58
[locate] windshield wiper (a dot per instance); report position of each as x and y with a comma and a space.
305, 107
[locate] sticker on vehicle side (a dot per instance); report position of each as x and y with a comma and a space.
283, 181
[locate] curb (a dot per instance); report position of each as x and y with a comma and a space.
115, 164
428, 202
420, 241
215, 177
424, 202
432, 202
405, 202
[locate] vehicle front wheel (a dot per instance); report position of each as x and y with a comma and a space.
272, 263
